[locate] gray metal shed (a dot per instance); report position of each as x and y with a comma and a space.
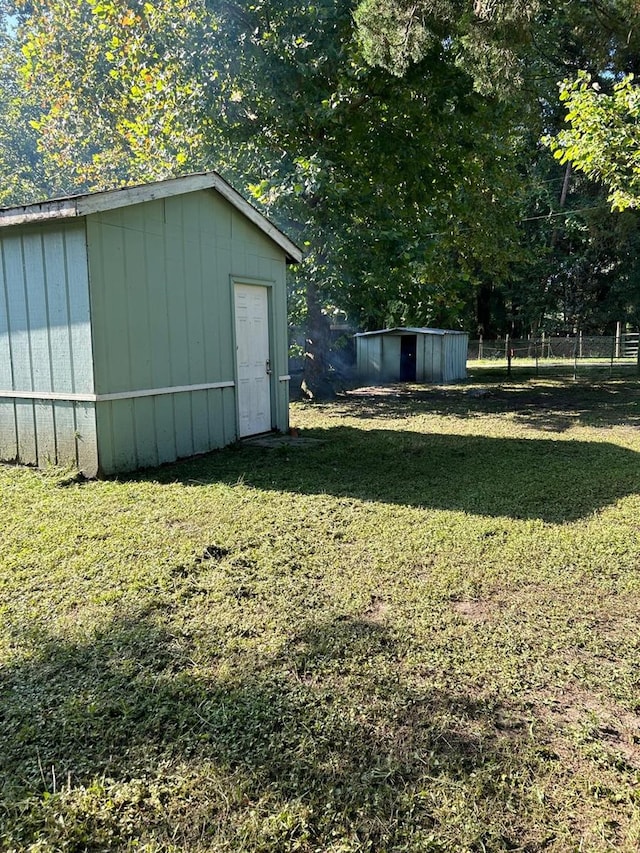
140, 325
412, 355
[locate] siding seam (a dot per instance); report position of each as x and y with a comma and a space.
65, 264
120, 395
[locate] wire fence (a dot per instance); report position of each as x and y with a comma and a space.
561, 355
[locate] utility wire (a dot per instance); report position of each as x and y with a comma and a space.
563, 213
528, 219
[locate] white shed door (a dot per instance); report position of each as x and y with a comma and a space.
252, 359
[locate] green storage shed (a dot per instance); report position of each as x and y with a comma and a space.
140, 325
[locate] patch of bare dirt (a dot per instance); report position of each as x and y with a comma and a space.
606, 722
405, 391
614, 619
377, 609
477, 610
375, 391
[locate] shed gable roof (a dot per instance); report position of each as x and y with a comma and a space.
83, 205
410, 330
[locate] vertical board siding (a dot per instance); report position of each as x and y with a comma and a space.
165, 427
194, 274
448, 353
86, 438
46, 432
184, 424
69, 437
157, 308
34, 282
179, 289
18, 319
424, 345
369, 357
123, 436
60, 344
26, 433
390, 369
133, 258
220, 312
161, 298
146, 445
45, 345
77, 281
458, 346
436, 359
6, 365
204, 421
8, 431
200, 423
229, 425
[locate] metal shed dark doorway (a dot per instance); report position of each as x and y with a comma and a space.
408, 356
412, 354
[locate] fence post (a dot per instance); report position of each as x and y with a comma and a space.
614, 349
580, 344
575, 358
480, 354
507, 349
535, 351
618, 339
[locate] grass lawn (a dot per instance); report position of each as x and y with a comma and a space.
417, 629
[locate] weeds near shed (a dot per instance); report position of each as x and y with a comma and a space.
418, 634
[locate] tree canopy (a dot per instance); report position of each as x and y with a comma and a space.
603, 137
398, 142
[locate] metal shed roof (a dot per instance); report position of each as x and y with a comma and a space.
83, 205
411, 330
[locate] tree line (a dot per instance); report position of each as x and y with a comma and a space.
464, 163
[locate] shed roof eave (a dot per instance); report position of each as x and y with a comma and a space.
411, 330
63, 208
88, 203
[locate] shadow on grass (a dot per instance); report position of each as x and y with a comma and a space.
320, 742
551, 480
549, 405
